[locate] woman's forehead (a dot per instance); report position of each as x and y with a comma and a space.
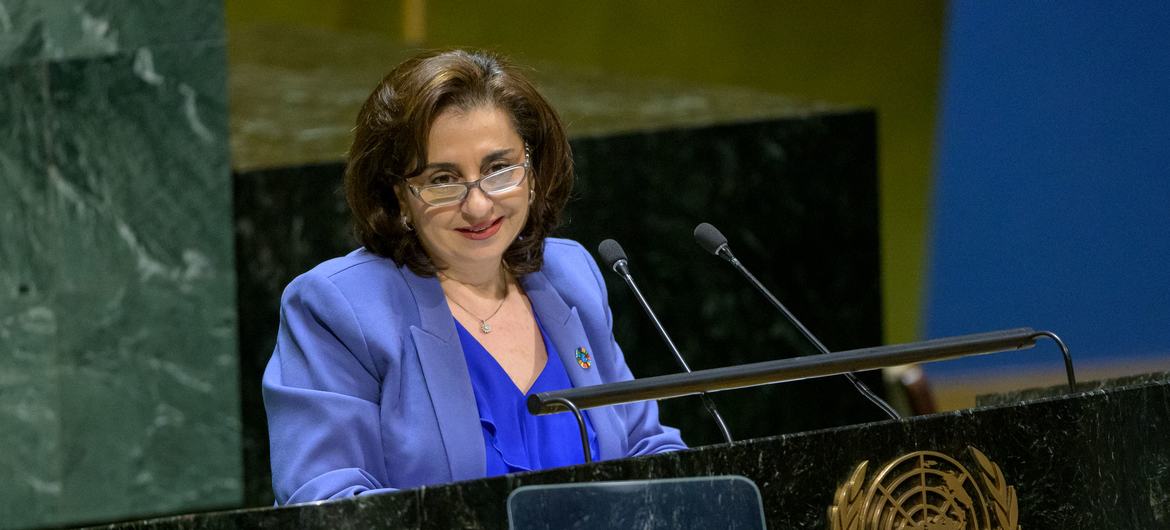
462, 135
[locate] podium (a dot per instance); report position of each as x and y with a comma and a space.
1099, 458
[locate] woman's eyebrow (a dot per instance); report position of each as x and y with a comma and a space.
440, 165
497, 155
449, 166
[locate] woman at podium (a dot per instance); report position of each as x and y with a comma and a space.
408, 361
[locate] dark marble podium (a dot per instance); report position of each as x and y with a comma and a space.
1093, 460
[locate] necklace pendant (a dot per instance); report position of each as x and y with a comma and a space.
485, 327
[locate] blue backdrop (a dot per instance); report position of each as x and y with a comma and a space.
1052, 189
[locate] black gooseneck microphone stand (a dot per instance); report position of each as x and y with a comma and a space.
615, 258
713, 241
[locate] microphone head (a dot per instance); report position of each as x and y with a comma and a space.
710, 238
611, 253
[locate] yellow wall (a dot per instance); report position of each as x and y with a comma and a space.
880, 54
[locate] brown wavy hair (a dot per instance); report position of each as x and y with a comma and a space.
390, 146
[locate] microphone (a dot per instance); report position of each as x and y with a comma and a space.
615, 258
713, 241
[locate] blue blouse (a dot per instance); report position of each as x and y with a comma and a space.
515, 440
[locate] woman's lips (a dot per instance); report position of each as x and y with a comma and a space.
481, 231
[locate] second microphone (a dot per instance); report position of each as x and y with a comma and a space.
615, 259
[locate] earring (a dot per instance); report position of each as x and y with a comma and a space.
406, 223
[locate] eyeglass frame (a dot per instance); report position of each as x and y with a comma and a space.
526, 165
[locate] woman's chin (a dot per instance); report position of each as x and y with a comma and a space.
484, 252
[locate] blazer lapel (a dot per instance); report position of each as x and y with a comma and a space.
566, 332
448, 381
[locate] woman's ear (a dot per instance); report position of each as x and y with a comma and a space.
405, 218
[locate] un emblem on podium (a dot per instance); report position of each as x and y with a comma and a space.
926, 490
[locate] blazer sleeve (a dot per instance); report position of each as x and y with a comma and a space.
645, 434
322, 392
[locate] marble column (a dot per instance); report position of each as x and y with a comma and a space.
118, 366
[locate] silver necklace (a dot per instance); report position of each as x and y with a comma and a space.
484, 327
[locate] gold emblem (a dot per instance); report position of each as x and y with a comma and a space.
926, 490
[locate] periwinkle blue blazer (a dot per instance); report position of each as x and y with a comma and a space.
368, 389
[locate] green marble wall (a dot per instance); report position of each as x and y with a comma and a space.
118, 371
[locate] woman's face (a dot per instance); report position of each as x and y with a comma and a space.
463, 146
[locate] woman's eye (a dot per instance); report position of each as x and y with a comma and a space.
497, 167
441, 178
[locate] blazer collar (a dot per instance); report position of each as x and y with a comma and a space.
448, 381
565, 331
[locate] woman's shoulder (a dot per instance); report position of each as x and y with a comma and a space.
560, 253
352, 275
565, 259
573, 273
358, 261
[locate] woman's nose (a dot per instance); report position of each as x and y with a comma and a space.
477, 203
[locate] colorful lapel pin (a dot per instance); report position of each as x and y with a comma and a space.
583, 358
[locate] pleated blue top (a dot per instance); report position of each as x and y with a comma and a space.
513, 439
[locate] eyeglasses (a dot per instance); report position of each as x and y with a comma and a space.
494, 183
